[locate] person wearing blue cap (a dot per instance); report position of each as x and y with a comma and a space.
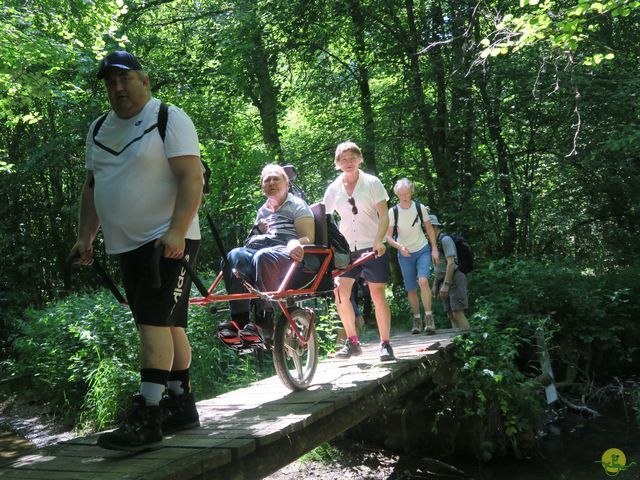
143, 189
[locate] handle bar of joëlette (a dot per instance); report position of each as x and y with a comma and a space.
156, 281
102, 273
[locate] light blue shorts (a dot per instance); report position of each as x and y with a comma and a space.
416, 265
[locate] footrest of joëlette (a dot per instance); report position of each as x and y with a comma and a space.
245, 350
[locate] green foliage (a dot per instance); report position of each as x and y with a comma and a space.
634, 398
109, 389
591, 315
565, 27
487, 406
68, 347
327, 326
81, 354
401, 314
324, 454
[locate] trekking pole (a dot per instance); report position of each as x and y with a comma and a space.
102, 273
214, 232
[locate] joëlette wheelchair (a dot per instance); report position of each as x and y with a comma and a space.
294, 342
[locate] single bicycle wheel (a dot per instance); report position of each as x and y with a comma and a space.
295, 363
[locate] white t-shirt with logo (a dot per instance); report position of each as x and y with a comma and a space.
135, 189
410, 232
359, 229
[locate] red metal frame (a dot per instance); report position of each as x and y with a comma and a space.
283, 292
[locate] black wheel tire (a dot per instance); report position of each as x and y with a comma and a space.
295, 364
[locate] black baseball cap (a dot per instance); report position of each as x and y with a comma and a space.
118, 59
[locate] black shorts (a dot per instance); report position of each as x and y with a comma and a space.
168, 305
374, 270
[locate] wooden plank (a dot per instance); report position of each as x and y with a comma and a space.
251, 432
85, 451
194, 466
271, 457
24, 474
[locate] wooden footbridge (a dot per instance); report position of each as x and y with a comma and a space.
252, 432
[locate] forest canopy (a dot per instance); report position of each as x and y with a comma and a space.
517, 121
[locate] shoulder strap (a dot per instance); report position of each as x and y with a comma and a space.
419, 216
99, 123
163, 117
419, 208
394, 235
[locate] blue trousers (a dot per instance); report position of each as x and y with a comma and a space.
265, 268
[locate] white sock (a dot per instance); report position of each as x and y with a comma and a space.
175, 386
152, 392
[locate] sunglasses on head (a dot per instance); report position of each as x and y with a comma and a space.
354, 209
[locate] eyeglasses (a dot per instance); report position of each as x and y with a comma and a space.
354, 209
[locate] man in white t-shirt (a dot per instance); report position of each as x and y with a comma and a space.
144, 192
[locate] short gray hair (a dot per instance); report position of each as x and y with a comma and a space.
404, 183
274, 167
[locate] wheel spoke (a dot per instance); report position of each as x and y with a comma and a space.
298, 364
296, 361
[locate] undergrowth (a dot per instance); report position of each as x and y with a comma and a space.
80, 354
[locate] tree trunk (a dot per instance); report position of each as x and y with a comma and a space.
438, 142
461, 120
417, 90
492, 109
369, 146
261, 89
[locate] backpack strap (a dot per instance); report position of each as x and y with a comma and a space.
163, 117
394, 235
419, 217
419, 207
99, 123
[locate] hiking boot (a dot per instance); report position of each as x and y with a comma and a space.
386, 353
179, 412
417, 325
349, 350
429, 325
140, 431
228, 333
251, 336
